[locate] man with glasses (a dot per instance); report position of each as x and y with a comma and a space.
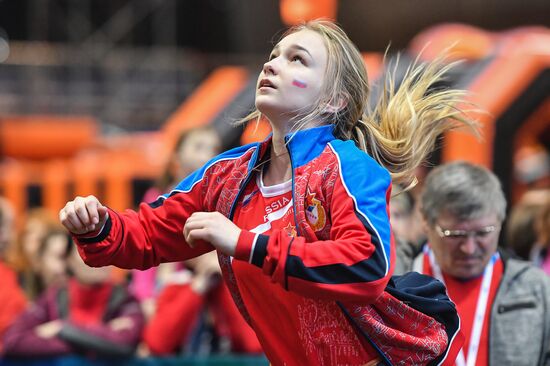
503, 303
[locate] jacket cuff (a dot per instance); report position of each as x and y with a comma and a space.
252, 248
97, 235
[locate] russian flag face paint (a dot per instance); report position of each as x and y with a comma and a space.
299, 83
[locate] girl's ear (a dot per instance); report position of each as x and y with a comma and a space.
335, 106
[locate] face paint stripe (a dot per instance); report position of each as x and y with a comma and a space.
299, 83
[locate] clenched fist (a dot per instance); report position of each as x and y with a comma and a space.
214, 228
83, 215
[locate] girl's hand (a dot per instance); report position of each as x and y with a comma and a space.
83, 215
214, 228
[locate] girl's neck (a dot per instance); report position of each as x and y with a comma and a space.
278, 144
279, 169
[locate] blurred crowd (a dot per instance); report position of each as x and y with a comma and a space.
53, 304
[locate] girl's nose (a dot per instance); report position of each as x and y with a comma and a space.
269, 68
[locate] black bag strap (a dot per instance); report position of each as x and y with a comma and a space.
62, 299
118, 296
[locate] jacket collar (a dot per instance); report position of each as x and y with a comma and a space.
304, 145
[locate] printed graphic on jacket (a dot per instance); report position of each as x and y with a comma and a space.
268, 207
315, 213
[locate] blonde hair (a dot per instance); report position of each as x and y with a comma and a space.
403, 127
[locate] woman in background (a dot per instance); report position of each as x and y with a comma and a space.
88, 315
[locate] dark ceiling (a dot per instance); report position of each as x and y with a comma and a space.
237, 26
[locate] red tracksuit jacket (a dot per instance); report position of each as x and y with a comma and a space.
344, 256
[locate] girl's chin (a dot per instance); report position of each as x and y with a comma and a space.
265, 106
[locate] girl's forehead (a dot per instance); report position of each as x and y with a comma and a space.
305, 38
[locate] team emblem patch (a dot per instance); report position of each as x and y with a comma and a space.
315, 213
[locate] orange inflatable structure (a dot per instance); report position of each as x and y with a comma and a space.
46, 160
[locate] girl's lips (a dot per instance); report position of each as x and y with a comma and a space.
265, 83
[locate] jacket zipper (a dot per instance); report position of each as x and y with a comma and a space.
294, 207
243, 185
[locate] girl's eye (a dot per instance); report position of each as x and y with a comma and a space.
298, 58
271, 57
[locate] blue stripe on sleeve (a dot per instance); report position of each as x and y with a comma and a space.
366, 183
187, 184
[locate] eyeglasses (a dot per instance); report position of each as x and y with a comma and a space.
459, 236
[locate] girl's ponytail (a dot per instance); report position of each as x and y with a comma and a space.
403, 128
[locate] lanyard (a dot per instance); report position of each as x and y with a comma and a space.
481, 307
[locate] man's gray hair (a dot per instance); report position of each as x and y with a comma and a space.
464, 190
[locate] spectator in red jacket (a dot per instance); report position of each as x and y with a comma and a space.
181, 304
88, 316
12, 299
